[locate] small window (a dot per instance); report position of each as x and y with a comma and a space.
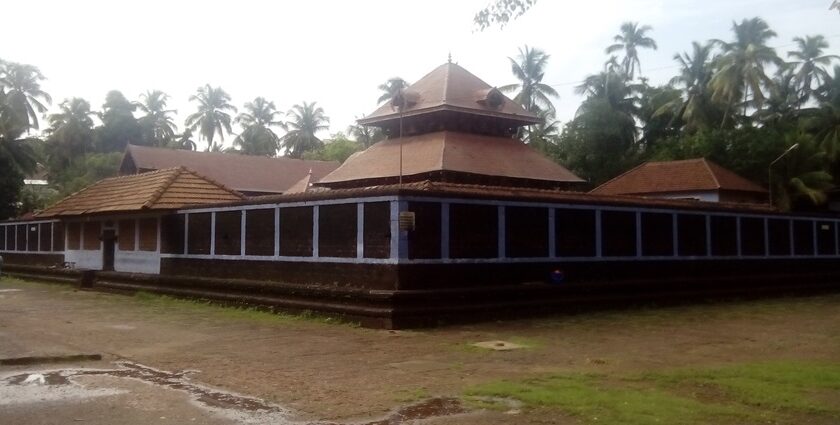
172, 234
58, 236
228, 231
2, 238
826, 242
424, 240
296, 231
33, 237
45, 237
473, 231
779, 234
691, 233
803, 237
657, 234
724, 230
74, 232
149, 234
20, 237
198, 233
259, 232
126, 237
752, 236
92, 231
526, 232
618, 233
574, 232
337, 230
377, 230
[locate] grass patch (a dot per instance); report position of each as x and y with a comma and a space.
745, 393
247, 313
779, 386
410, 396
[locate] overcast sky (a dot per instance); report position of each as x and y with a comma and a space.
337, 52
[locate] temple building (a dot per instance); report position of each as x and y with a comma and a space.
247, 174
451, 218
451, 127
694, 179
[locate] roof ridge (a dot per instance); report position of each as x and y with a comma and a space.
156, 195
445, 97
714, 176
620, 176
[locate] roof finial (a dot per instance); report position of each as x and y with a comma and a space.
449, 58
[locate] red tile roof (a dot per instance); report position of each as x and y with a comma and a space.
469, 191
451, 87
688, 175
167, 189
245, 173
450, 151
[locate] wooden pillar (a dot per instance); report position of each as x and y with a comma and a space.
276, 231
501, 251
552, 230
213, 233
242, 230
766, 237
186, 232
790, 232
675, 235
444, 230
816, 234
638, 234
360, 230
598, 242
738, 233
315, 235
708, 235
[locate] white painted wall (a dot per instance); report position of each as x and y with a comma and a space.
84, 259
137, 261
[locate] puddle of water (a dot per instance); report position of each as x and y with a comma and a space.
239, 407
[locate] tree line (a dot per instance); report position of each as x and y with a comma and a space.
736, 101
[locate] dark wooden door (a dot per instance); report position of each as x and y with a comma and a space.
109, 238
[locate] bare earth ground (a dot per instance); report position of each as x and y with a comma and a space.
339, 373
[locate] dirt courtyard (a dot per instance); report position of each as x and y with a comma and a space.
320, 372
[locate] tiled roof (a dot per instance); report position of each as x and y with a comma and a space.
245, 173
451, 87
167, 189
677, 176
470, 191
450, 151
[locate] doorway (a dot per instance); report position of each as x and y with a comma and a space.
109, 239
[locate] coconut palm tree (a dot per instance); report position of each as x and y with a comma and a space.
307, 119
630, 40
257, 138
24, 96
529, 69
740, 68
809, 61
695, 109
390, 88
802, 175
184, 141
71, 132
157, 124
366, 135
212, 116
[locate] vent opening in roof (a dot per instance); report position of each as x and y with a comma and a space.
491, 98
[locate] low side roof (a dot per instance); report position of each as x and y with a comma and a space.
245, 173
167, 189
677, 176
450, 151
451, 87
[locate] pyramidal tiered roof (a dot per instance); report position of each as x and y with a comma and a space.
167, 189
450, 87
458, 129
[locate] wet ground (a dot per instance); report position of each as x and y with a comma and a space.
164, 362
